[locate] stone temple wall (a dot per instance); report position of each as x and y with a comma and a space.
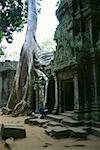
7, 72
76, 62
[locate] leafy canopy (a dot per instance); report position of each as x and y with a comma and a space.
12, 17
13, 14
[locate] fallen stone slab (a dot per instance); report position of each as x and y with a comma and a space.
56, 118
27, 120
67, 121
67, 114
33, 121
14, 131
58, 132
39, 122
6, 111
78, 132
54, 123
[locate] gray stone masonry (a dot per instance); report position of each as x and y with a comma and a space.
14, 131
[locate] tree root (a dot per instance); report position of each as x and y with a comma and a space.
19, 108
27, 63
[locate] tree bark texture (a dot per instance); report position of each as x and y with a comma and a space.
27, 65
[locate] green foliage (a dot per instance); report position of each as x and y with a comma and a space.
13, 14
12, 17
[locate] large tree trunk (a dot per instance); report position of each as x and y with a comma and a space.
27, 63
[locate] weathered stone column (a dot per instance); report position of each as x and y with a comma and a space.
76, 91
94, 80
56, 95
59, 99
0, 88
94, 105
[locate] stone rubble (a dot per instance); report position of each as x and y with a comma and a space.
53, 127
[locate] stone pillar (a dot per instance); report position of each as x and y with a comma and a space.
0, 88
76, 91
94, 80
59, 101
56, 95
94, 106
91, 32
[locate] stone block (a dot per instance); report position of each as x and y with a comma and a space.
14, 131
33, 121
56, 118
27, 120
54, 123
77, 132
60, 132
67, 121
39, 122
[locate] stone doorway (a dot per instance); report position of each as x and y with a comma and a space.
33, 100
67, 96
51, 95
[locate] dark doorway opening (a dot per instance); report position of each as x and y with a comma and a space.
33, 100
51, 95
67, 95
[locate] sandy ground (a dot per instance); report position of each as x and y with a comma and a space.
37, 139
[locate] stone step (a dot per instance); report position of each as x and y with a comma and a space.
67, 121
27, 120
62, 132
58, 132
67, 114
39, 122
96, 124
53, 124
95, 131
13, 130
87, 129
56, 118
78, 132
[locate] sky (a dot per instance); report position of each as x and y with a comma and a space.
47, 20
47, 23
